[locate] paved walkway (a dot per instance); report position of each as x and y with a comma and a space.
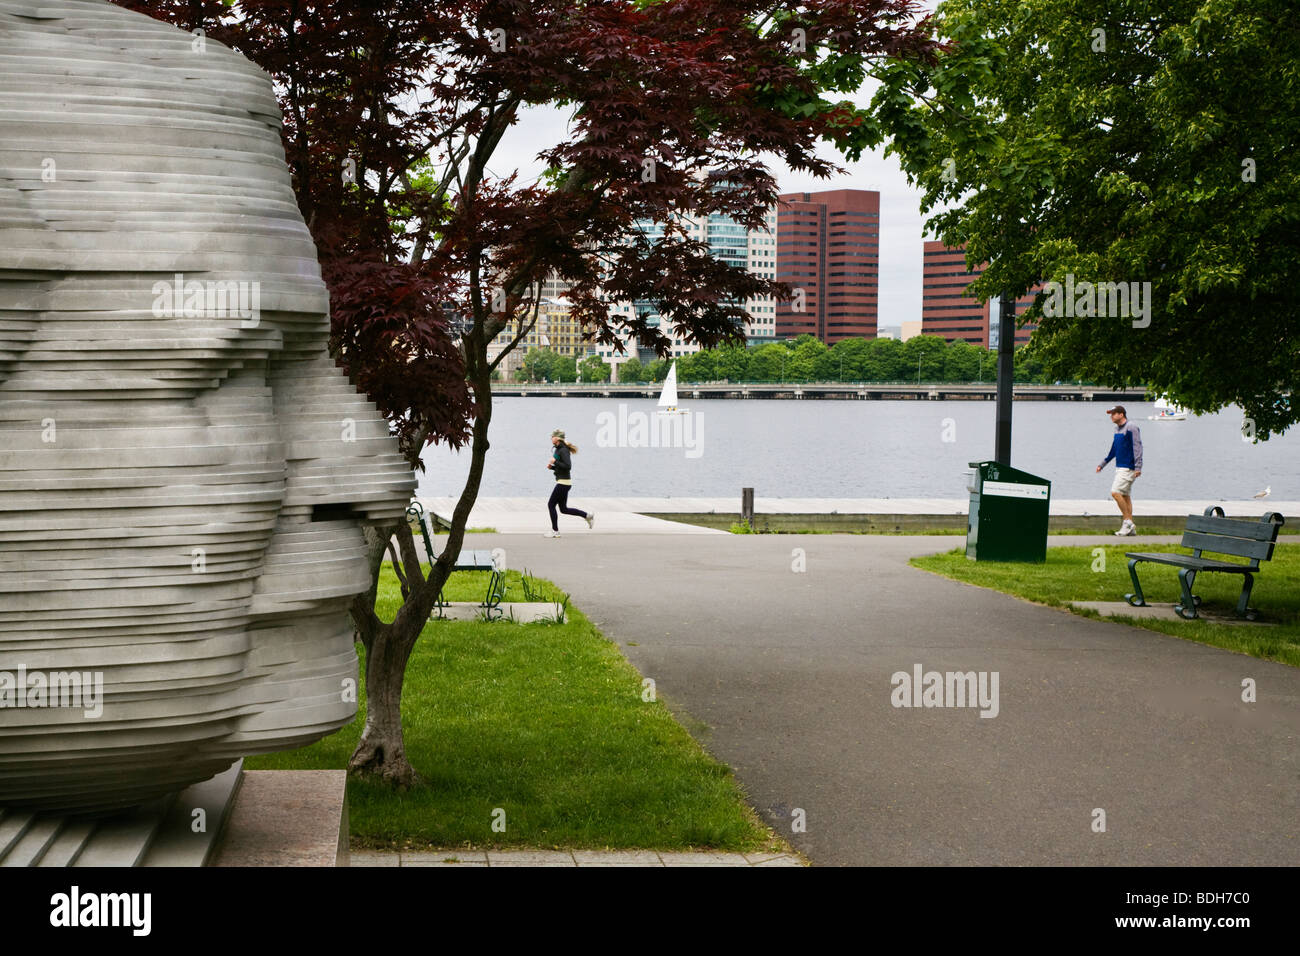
788, 676
632, 515
565, 858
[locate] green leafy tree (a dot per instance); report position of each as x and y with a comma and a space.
961, 362
632, 371
732, 363
564, 369
924, 352
1147, 141
594, 369
538, 365
989, 362
842, 361
883, 361
657, 370
699, 367
1028, 366
766, 362
802, 366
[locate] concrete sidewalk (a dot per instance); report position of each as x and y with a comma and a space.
788, 676
529, 516
636, 515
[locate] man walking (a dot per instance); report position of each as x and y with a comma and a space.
1126, 449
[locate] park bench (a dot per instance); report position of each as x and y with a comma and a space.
1217, 534
467, 560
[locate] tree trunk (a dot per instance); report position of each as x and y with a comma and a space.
381, 752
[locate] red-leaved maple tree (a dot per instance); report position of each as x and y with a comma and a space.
395, 109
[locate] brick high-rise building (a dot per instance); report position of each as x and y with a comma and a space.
945, 308
828, 246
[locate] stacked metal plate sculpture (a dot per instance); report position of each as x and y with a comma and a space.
183, 470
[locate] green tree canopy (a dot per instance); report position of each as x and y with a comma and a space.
1147, 141
632, 371
961, 362
926, 353
594, 369
733, 363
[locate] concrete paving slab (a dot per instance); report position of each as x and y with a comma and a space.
530, 858
617, 858
754, 859
1164, 612
703, 859
373, 858
441, 857
521, 612
287, 818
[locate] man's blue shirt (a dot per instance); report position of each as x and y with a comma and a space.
1126, 447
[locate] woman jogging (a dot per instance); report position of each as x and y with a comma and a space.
562, 463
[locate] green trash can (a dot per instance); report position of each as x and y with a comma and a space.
1008, 514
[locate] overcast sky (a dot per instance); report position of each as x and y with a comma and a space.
900, 216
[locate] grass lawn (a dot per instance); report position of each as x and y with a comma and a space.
546, 722
1068, 576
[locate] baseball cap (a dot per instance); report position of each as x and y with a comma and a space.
557, 434
1117, 408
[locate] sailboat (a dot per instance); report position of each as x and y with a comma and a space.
668, 397
1167, 412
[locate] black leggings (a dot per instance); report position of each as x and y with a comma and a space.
560, 497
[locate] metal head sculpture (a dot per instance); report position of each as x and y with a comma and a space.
183, 470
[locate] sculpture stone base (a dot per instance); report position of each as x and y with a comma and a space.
288, 818
178, 830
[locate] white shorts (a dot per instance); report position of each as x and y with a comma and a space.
1123, 483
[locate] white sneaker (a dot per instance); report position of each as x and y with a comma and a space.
591, 518
1126, 529
551, 534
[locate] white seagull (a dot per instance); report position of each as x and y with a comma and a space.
1265, 493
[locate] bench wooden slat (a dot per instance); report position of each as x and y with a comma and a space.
1221, 544
1187, 561
475, 561
1254, 530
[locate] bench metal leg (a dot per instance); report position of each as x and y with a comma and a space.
1186, 578
496, 592
1249, 613
1136, 598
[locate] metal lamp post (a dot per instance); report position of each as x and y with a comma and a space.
1006, 375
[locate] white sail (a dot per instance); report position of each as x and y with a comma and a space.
1162, 402
668, 397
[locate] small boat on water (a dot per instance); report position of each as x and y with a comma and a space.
668, 397
1167, 412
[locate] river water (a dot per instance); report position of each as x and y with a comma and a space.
855, 449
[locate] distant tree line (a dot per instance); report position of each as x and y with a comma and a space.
805, 359
545, 365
